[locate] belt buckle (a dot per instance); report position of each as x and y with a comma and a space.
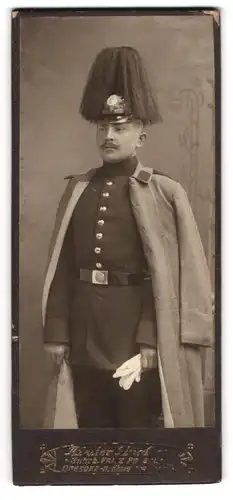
99, 277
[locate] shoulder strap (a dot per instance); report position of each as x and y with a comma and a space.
144, 174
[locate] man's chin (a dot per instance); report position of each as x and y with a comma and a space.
111, 155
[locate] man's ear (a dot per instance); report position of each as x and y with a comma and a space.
141, 138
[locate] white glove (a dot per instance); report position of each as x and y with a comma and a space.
127, 380
129, 372
128, 366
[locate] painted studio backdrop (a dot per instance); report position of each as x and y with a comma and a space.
56, 54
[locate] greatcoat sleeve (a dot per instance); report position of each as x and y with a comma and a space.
195, 287
58, 306
146, 330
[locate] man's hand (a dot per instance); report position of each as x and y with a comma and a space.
57, 352
148, 357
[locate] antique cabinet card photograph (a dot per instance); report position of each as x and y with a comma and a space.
116, 246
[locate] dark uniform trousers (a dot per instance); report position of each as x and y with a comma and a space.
105, 324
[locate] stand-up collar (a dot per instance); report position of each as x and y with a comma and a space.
125, 167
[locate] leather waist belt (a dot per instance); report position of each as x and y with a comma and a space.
103, 277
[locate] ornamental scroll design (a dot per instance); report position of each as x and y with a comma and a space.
190, 101
131, 458
211, 106
211, 229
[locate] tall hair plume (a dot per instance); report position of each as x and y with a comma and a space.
119, 70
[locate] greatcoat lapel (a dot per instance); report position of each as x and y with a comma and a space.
74, 190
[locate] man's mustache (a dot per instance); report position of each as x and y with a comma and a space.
108, 145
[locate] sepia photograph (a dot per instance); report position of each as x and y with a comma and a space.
117, 221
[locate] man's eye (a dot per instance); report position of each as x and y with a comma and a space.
119, 129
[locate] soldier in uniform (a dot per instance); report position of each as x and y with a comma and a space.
112, 293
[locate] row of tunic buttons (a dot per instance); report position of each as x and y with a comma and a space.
100, 222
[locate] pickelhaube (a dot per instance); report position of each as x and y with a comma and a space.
116, 109
118, 89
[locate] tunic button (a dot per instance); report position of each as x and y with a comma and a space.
101, 222
99, 236
106, 195
103, 209
109, 183
97, 250
99, 265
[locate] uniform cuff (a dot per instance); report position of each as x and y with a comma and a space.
146, 333
56, 331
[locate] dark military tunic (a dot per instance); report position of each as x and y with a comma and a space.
104, 324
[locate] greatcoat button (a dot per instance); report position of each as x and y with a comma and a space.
99, 265
97, 250
103, 209
100, 222
99, 236
109, 183
106, 195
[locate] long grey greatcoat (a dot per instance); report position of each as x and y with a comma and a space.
180, 279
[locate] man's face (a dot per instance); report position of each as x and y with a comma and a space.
117, 141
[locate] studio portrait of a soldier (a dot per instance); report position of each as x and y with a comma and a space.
127, 294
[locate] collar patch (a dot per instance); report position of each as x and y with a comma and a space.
143, 174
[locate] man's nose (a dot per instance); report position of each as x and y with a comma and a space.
109, 132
